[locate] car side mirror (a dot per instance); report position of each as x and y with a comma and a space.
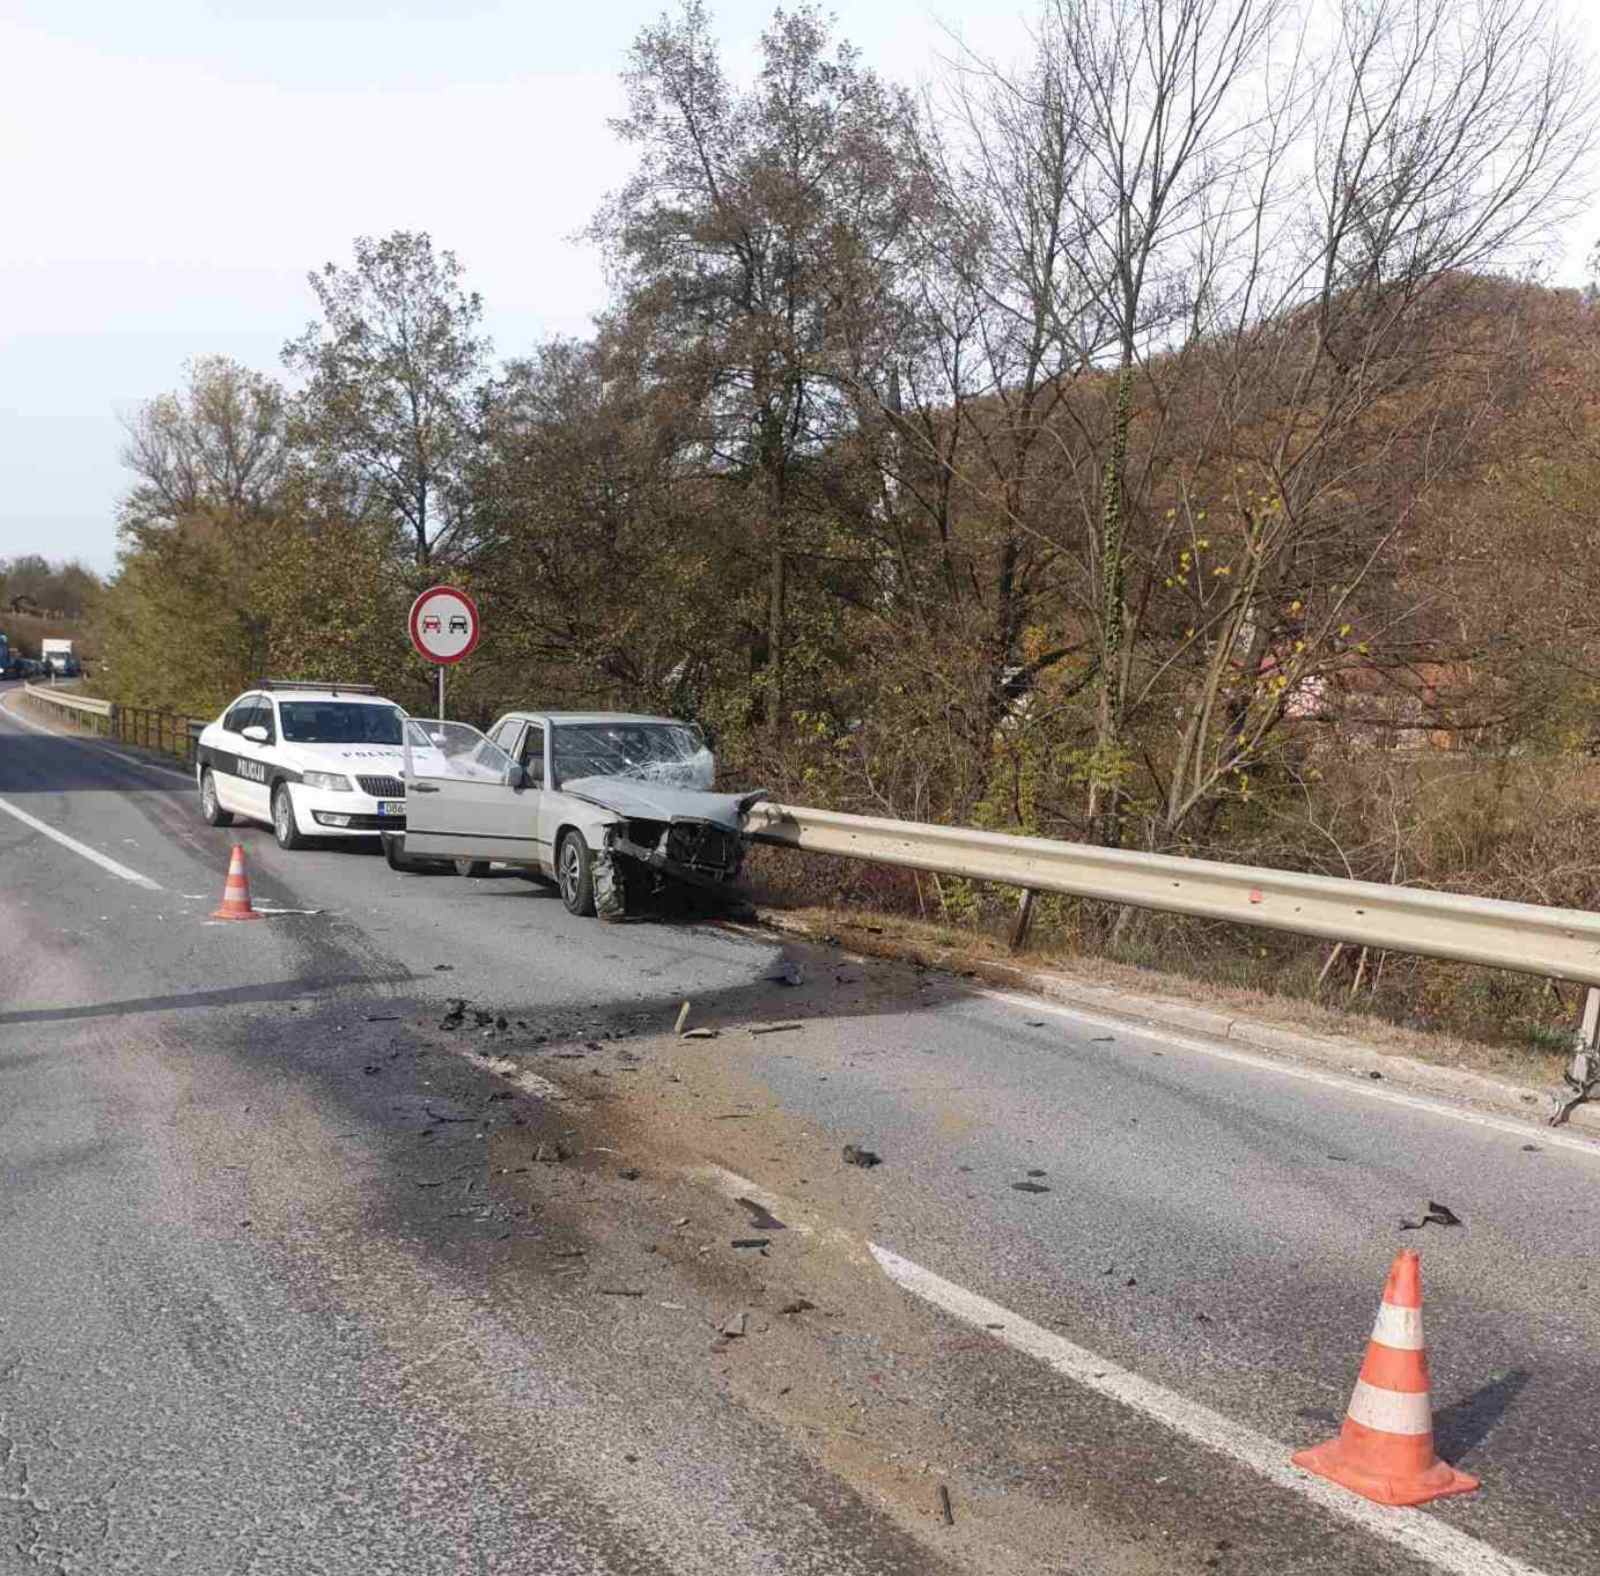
255, 733
517, 775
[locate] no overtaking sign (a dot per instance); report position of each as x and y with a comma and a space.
444, 624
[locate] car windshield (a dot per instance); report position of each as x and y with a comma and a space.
339, 722
669, 752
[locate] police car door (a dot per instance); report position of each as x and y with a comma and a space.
255, 761
225, 755
465, 797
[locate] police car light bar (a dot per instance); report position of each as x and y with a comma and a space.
316, 684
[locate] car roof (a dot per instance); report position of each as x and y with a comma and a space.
344, 697
587, 717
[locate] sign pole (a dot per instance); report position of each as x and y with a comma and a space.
441, 692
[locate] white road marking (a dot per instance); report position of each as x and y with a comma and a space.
93, 855
1422, 1535
1553, 1138
734, 1187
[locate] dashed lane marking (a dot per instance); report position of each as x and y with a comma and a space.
93, 855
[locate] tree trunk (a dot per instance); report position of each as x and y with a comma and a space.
1105, 796
775, 641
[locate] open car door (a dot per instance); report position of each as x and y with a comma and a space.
465, 797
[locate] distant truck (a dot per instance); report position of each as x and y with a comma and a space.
7, 661
58, 658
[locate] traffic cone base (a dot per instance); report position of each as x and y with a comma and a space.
1384, 1452
1348, 1460
236, 891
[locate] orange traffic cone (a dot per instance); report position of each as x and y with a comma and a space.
1384, 1451
236, 894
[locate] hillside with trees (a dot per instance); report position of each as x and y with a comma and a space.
1163, 440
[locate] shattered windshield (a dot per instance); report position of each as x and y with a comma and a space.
663, 752
339, 722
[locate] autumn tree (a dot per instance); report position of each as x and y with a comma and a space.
217, 446
752, 250
392, 372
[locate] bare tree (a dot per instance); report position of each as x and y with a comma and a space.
218, 446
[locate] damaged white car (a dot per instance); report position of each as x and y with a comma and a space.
603, 803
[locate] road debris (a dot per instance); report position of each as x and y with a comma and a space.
735, 1325
630, 1173
752, 1242
383, 1017
699, 1034
1438, 1215
797, 1305
618, 1291
946, 1514
683, 1018
865, 1158
772, 1028
1036, 1172
1029, 1187
788, 972
444, 968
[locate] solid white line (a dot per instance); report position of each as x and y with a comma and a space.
1552, 1138
1418, 1533
93, 855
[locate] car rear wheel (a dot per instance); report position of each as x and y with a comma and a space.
475, 869
210, 805
284, 826
575, 874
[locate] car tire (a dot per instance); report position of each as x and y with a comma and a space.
575, 874
210, 806
284, 826
473, 869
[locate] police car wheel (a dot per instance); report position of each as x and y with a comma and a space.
575, 875
210, 805
284, 827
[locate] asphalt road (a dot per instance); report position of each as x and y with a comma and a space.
298, 1278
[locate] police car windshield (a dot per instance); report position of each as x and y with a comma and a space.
339, 722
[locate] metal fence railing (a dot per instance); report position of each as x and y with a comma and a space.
165, 732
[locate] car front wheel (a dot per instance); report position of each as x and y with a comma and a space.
284, 826
575, 874
210, 805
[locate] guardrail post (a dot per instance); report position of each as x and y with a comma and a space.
1589, 1026
1019, 931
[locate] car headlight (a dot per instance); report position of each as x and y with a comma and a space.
329, 782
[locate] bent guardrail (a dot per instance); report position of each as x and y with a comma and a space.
1558, 943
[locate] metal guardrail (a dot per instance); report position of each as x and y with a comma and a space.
163, 731
1558, 943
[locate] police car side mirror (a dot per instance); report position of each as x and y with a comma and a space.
517, 776
255, 733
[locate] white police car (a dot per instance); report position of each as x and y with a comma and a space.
310, 760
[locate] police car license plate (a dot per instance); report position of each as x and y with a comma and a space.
391, 807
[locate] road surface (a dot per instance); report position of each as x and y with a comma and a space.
302, 1275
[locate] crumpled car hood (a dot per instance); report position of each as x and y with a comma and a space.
627, 796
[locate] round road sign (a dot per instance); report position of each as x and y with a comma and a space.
444, 624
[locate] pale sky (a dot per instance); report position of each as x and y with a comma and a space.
171, 169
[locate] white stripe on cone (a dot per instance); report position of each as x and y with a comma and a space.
1400, 1328
1391, 1411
